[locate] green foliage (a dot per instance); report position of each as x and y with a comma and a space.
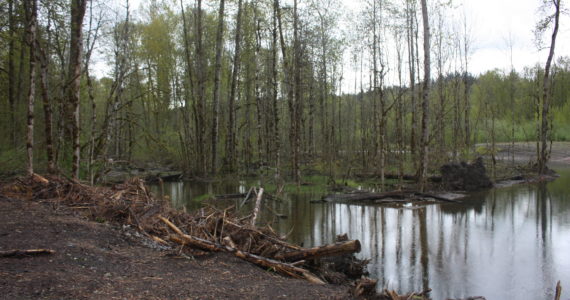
485, 150
149, 114
12, 161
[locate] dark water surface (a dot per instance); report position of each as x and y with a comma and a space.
507, 243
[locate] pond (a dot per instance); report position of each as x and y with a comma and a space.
505, 243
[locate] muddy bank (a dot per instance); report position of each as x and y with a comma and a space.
136, 239
102, 261
524, 152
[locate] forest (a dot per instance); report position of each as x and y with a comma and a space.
267, 87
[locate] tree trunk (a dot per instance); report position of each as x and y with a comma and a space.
217, 74
200, 103
231, 139
286, 67
399, 113
274, 88
412, 69
466, 86
189, 92
297, 102
261, 156
78, 8
43, 58
544, 125
336, 249
425, 99
11, 71
31, 17
440, 134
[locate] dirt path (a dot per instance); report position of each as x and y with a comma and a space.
99, 261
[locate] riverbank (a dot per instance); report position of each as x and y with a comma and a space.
524, 152
106, 261
96, 259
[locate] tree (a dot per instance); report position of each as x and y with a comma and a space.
466, 85
274, 86
422, 174
42, 55
544, 131
200, 103
410, 16
11, 69
78, 8
91, 40
31, 20
231, 138
189, 90
216, 103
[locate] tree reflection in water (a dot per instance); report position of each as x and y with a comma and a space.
508, 243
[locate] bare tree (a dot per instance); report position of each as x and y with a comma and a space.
544, 117
42, 56
274, 86
410, 13
200, 103
297, 102
286, 67
11, 69
91, 40
189, 90
217, 72
466, 85
425, 99
78, 8
31, 9
231, 139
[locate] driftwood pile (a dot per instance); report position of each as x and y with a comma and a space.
208, 229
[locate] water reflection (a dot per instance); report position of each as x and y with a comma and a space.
509, 243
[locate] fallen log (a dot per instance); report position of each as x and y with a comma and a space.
368, 196
245, 197
278, 266
436, 197
25, 253
39, 178
335, 249
232, 196
408, 177
365, 287
261, 234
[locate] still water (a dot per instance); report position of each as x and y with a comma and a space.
507, 243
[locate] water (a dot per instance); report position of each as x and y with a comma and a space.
508, 243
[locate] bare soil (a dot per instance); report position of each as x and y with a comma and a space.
104, 261
526, 152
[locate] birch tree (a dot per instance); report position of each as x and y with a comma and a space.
544, 131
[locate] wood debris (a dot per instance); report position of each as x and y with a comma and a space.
25, 253
208, 229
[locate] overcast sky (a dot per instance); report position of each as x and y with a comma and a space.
491, 22
494, 20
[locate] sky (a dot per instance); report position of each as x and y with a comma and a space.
494, 20
491, 23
